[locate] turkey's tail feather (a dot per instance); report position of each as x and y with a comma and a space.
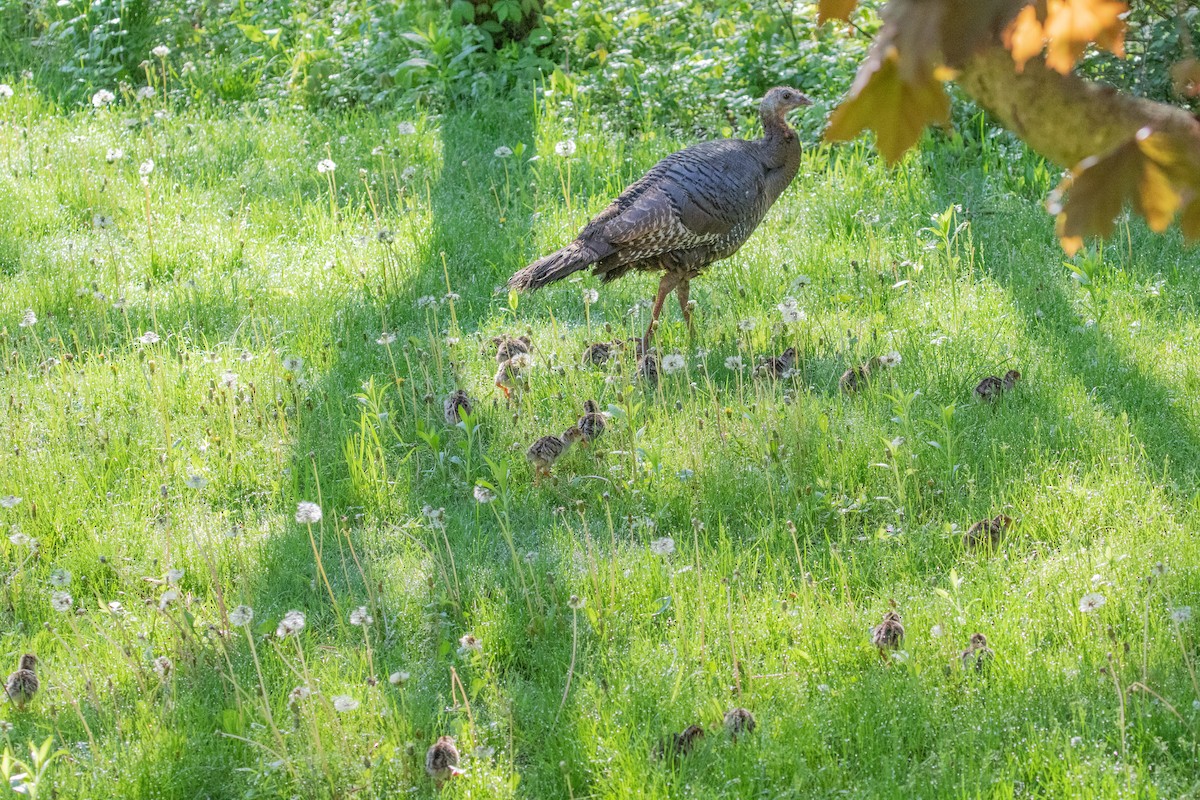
554, 267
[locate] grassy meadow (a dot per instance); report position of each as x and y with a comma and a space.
193, 348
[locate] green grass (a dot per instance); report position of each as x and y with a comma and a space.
246, 263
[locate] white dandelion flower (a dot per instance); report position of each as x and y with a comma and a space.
663, 547
61, 601
115, 607
20, 539
298, 695
293, 364
114, 155
9, 501
406, 128
565, 148
747, 325
161, 51
398, 678
734, 363
801, 281
359, 616
188, 68
790, 311
326, 165
6, 91
102, 222
1159, 569
408, 174
28, 319
149, 337
343, 703
575, 602
470, 643
60, 578
292, 623
502, 152
484, 495
1076, 741
890, 359
590, 296
229, 379
386, 338
103, 98
1090, 602
1181, 614
145, 93
241, 616
308, 513
426, 300
672, 363
146, 167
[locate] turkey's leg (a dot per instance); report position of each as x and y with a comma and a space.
682, 292
665, 286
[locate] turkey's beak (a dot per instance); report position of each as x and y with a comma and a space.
805, 100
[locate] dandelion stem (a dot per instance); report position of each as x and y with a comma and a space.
571, 666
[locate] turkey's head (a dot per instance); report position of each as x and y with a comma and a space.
782, 99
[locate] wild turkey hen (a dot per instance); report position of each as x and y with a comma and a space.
692, 208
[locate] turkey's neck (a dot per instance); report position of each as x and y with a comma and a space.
781, 153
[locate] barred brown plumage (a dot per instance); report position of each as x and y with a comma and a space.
694, 207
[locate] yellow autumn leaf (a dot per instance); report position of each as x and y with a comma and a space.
1071, 25
834, 9
1186, 75
897, 110
1025, 38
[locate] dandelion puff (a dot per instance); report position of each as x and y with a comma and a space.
28, 319
672, 363
6, 91
60, 578
398, 678
292, 623
174, 575
801, 281
61, 601
747, 325
565, 148
161, 51
115, 607
734, 364
241, 616
163, 667
114, 155
502, 152
469, 643
936, 631
166, 598
359, 616
385, 338
576, 602
790, 311
1090, 602
406, 129
484, 495
1076, 741
196, 481
1181, 614
408, 174
103, 98
293, 364
299, 695
344, 702
1159, 569
326, 165
20, 539
145, 93
146, 167
9, 501
149, 337
663, 547
308, 513
890, 359
590, 296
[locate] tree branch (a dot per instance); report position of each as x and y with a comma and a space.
1064, 117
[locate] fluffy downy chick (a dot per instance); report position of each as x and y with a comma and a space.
457, 403
23, 684
592, 423
441, 761
888, 634
545, 451
776, 366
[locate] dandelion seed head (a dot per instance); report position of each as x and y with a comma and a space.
343, 703
196, 481
61, 601
292, 623
747, 325
293, 364
326, 165
575, 602
385, 338
163, 667
1090, 602
9, 501
28, 319
6, 91
161, 51
890, 359
145, 93
103, 98
734, 363
565, 148
146, 167
663, 547
672, 363
241, 616
149, 337
114, 155
406, 128
470, 643
398, 678
502, 152
60, 578
359, 616
166, 598
308, 513
590, 296
1181, 614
